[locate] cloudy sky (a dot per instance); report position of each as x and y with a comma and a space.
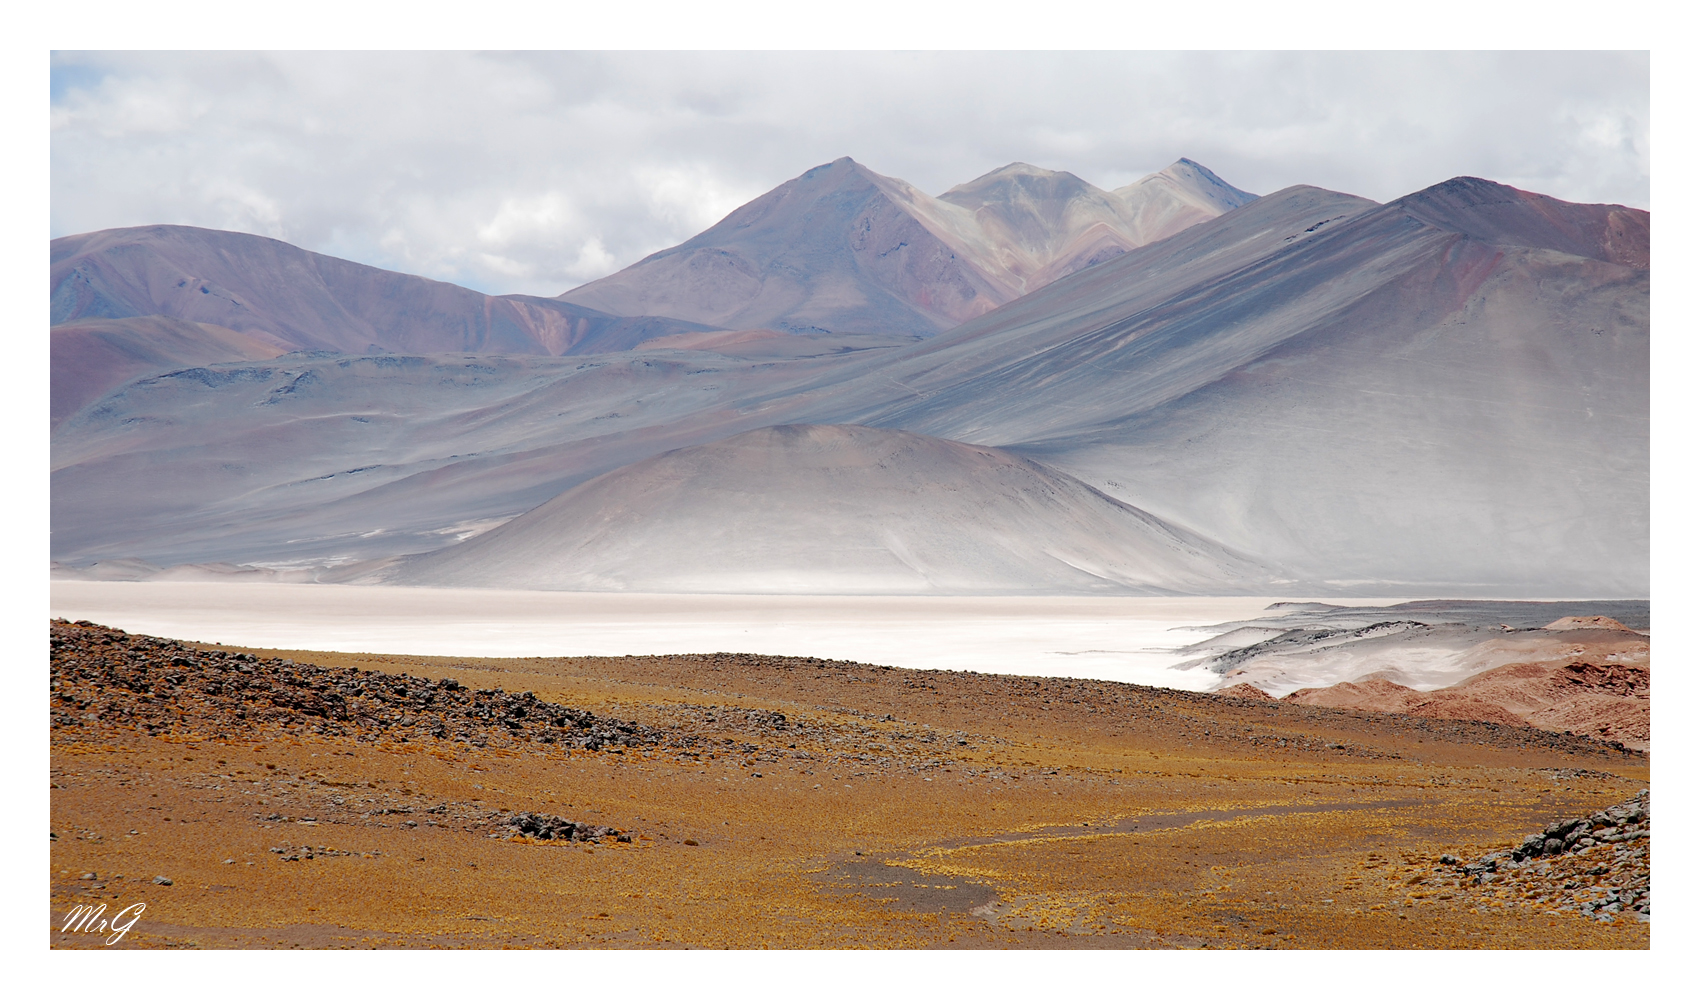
538, 172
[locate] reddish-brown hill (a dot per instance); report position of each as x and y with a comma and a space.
1603, 701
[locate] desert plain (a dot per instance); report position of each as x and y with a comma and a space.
296, 798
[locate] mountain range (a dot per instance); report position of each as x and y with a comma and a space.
842, 248
1026, 383
232, 296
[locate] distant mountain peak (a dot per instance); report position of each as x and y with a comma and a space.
1187, 181
842, 248
1008, 170
842, 163
1016, 180
1499, 213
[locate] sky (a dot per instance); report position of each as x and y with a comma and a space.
537, 172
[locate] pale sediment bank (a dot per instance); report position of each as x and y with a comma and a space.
1133, 639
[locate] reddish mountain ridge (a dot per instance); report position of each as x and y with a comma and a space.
1496, 213
1604, 696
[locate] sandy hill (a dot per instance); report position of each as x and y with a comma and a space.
811, 509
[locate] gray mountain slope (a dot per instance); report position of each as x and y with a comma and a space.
1119, 338
299, 300
1383, 400
1428, 395
1503, 446
834, 509
322, 459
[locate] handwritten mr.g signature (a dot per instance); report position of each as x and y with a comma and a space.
86, 919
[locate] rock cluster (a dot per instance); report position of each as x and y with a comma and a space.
1593, 865
1624, 822
307, 852
103, 675
542, 826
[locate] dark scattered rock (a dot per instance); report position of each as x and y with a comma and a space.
104, 676
542, 826
161, 880
1627, 821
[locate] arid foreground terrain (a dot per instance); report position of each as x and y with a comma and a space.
255, 798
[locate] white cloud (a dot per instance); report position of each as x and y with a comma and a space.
536, 172
692, 197
594, 261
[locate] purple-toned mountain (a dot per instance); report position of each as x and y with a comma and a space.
1495, 213
299, 300
92, 357
844, 249
131, 302
1445, 393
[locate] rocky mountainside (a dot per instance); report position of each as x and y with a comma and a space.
1041, 225
310, 461
906, 264
841, 248
1183, 194
106, 676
